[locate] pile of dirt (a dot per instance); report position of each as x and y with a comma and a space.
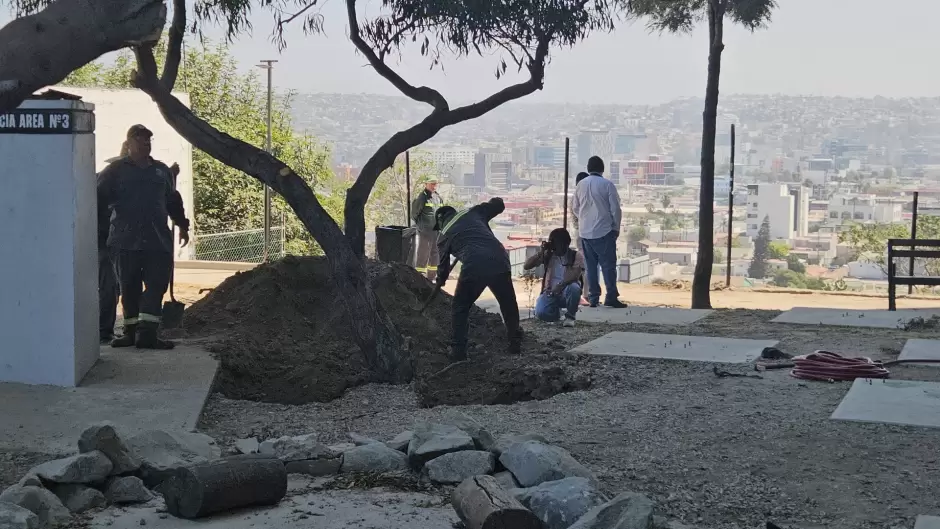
282, 335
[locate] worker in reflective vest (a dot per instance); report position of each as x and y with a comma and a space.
423, 208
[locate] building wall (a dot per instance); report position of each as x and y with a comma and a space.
774, 202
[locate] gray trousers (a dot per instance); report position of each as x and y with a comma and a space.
426, 255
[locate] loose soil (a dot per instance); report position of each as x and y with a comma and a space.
282, 335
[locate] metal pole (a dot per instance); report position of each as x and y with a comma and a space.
408, 186
910, 288
269, 66
567, 164
730, 209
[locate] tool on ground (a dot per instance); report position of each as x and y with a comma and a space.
435, 292
725, 374
827, 366
173, 309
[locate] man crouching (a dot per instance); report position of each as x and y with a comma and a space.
561, 283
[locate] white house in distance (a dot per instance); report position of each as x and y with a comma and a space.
115, 112
786, 206
863, 208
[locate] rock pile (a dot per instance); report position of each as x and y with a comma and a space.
107, 470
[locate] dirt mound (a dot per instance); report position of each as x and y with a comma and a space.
282, 335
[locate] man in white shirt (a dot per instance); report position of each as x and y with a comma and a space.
596, 205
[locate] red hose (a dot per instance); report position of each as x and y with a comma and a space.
827, 366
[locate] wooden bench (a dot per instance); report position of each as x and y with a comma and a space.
929, 248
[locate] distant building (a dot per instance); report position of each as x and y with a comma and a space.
653, 171
594, 143
786, 207
863, 208
447, 158
548, 156
492, 170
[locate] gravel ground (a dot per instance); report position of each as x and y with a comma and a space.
715, 453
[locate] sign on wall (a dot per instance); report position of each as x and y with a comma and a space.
47, 121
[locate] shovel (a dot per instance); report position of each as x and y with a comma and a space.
173, 310
435, 292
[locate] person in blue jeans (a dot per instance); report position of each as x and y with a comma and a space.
596, 205
561, 286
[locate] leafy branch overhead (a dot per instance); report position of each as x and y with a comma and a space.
681, 16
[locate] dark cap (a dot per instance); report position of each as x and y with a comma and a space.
138, 130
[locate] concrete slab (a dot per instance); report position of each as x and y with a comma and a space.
136, 390
853, 318
326, 509
490, 305
927, 522
676, 347
906, 402
650, 315
919, 349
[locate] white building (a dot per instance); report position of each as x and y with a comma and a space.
786, 207
862, 208
448, 158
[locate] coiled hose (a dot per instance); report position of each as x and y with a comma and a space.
829, 367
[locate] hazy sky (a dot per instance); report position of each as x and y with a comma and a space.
818, 47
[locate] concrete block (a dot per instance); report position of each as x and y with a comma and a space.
134, 390
917, 349
882, 319
927, 522
676, 347
650, 315
892, 402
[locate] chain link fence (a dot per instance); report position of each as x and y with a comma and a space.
246, 246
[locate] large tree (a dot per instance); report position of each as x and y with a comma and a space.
33, 46
682, 16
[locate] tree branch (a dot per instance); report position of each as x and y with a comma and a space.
422, 94
31, 48
510, 93
174, 48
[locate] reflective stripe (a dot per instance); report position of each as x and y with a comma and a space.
149, 318
130, 321
453, 220
421, 269
432, 269
429, 205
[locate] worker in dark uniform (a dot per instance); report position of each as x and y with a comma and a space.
139, 192
423, 209
484, 264
108, 291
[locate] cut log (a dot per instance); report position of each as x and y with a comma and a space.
43, 48
230, 483
482, 504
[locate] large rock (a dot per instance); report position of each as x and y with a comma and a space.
161, 454
79, 498
247, 446
44, 504
431, 441
127, 489
296, 448
559, 504
30, 480
505, 442
199, 443
401, 441
627, 511
13, 516
82, 468
506, 480
373, 458
457, 466
104, 438
482, 438
533, 463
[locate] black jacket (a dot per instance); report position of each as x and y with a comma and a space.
138, 200
468, 236
423, 208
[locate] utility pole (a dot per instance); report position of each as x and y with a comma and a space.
268, 65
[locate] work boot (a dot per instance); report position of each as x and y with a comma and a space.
615, 304
515, 343
147, 338
130, 335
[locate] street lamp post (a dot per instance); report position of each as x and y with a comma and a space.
268, 65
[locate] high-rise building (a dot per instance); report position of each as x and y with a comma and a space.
594, 143
786, 206
492, 170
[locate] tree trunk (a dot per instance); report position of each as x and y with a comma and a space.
482, 504
701, 284
43, 49
219, 486
373, 330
